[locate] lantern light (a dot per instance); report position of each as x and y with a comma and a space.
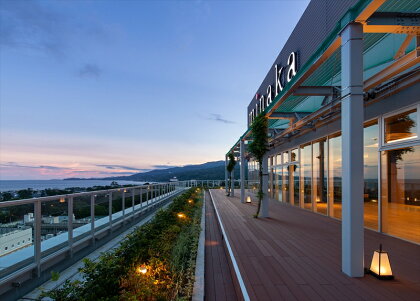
380, 266
248, 199
142, 269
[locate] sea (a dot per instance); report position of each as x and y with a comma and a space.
9, 185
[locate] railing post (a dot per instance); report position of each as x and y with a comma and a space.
147, 196
133, 202
123, 206
37, 236
92, 218
141, 198
70, 224
110, 211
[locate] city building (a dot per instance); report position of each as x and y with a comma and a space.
12, 239
342, 103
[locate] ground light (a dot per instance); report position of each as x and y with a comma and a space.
380, 266
248, 199
190, 201
181, 215
142, 269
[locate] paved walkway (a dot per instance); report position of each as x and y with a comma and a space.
296, 255
219, 285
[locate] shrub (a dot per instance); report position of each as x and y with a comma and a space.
166, 246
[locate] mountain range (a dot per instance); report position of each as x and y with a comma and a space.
208, 171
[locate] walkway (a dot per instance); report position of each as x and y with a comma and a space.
296, 255
219, 285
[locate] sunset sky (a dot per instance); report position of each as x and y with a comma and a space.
101, 88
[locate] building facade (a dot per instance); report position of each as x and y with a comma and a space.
342, 101
12, 239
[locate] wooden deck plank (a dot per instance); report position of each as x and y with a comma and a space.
296, 255
218, 279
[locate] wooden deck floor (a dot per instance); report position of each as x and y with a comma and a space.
219, 284
296, 255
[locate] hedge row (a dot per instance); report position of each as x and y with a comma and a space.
166, 247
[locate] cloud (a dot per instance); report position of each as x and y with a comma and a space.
14, 164
164, 166
107, 166
32, 25
218, 117
90, 70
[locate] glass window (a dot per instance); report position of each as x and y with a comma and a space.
334, 174
306, 176
401, 192
279, 193
370, 171
294, 184
278, 160
294, 155
319, 176
285, 157
401, 127
285, 186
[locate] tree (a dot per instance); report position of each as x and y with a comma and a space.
25, 193
6, 196
258, 147
230, 167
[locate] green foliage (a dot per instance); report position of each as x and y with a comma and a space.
231, 163
25, 193
258, 147
167, 245
259, 144
5, 196
55, 275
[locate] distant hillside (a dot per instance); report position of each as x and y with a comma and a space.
207, 171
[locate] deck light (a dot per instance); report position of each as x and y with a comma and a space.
380, 266
62, 200
248, 199
142, 269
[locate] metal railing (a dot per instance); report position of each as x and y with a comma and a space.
57, 234
63, 225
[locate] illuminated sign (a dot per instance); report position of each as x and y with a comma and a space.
281, 79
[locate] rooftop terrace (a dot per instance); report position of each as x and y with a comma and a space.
296, 255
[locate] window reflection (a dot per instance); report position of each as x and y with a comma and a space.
334, 173
319, 176
401, 192
370, 171
401, 127
306, 175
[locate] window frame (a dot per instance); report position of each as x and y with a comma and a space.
398, 144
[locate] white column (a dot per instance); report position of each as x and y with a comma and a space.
242, 154
352, 115
264, 202
226, 175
